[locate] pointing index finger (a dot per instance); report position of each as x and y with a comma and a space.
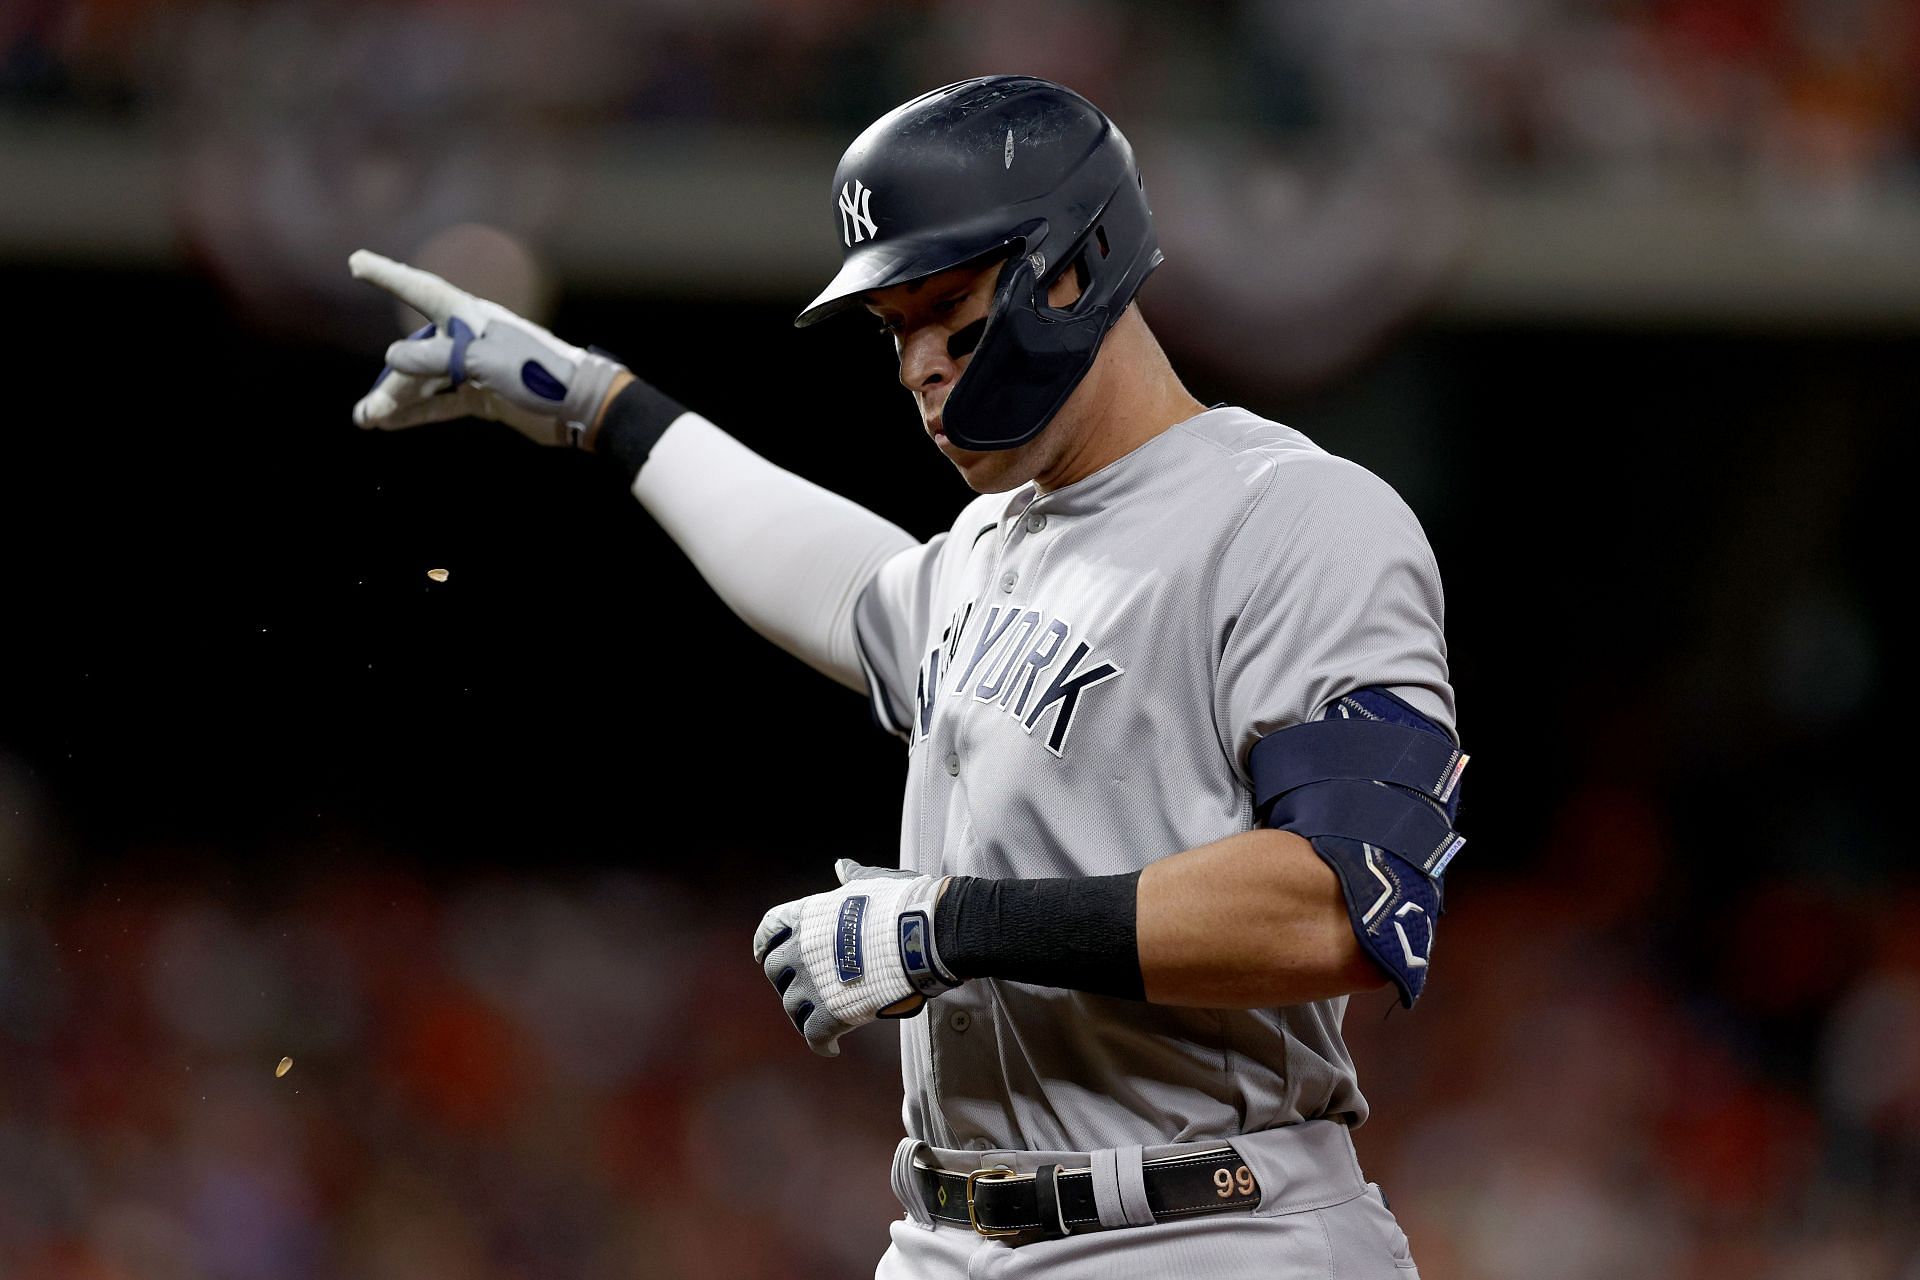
425, 292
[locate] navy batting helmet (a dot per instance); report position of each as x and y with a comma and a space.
1000, 165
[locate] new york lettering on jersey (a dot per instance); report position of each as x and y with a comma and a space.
1010, 651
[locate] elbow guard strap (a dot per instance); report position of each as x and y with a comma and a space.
1372, 813
1373, 788
1358, 750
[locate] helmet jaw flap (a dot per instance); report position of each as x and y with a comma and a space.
1028, 361
1033, 356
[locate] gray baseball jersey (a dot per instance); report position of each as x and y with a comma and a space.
1080, 675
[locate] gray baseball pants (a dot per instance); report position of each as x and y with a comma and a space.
1318, 1218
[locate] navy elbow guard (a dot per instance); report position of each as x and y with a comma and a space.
1374, 787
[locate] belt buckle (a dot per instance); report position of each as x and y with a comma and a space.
997, 1173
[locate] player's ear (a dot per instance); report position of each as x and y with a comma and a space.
1070, 284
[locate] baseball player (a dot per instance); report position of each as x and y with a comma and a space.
1182, 768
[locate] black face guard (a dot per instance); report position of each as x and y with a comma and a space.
1031, 355
1030, 358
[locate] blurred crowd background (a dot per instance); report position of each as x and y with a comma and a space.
1622, 295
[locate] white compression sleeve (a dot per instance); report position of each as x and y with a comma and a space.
786, 555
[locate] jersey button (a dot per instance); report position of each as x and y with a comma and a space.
960, 1020
1008, 579
1036, 522
953, 765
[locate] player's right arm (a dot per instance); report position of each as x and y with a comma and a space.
790, 558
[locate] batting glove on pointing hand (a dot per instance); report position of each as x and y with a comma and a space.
478, 359
863, 951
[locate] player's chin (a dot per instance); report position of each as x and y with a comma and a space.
993, 472
984, 470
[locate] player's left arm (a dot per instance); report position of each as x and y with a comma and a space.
1254, 921
1339, 888
1333, 701
1258, 920
1250, 922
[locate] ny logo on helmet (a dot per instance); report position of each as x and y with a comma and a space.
856, 213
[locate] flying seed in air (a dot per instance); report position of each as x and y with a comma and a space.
286, 1065
438, 575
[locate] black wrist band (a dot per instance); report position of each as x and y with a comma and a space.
1077, 932
633, 424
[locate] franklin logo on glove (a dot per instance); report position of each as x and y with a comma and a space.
851, 912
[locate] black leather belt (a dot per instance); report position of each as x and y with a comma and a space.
1052, 1202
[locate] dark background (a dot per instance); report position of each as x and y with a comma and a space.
233, 643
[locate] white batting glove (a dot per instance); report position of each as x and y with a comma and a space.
478, 359
863, 951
